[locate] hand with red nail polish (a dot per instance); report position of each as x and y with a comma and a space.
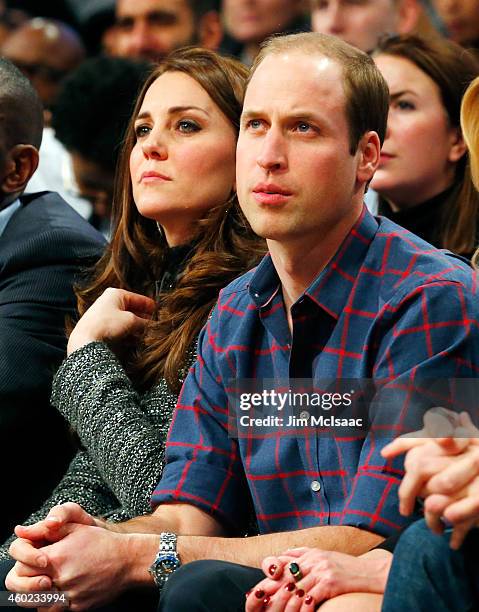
325, 575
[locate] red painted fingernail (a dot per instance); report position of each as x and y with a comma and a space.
299, 593
266, 600
272, 569
290, 586
309, 600
259, 594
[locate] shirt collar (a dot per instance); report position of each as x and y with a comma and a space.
331, 288
7, 213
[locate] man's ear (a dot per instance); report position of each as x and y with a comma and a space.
408, 17
458, 146
21, 163
368, 152
210, 30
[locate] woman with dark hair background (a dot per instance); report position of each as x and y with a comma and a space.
179, 237
423, 178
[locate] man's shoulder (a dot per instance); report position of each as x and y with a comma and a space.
412, 262
239, 287
45, 222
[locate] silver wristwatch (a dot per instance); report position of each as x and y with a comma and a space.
167, 559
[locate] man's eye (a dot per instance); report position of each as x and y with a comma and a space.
125, 24
303, 127
254, 124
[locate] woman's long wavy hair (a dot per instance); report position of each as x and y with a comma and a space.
225, 245
452, 68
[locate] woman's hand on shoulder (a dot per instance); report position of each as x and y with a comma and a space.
115, 315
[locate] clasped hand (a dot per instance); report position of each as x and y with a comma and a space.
68, 552
444, 471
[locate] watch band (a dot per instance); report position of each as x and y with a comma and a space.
166, 561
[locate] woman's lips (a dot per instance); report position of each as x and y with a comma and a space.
151, 177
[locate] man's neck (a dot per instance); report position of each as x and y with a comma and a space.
299, 261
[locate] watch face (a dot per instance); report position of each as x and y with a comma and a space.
167, 564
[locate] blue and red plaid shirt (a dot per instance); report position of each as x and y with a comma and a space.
388, 306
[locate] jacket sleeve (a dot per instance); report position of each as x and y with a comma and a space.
124, 433
82, 484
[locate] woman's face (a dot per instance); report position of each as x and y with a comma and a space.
183, 161
419, 155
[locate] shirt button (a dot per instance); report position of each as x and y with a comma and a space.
315, 486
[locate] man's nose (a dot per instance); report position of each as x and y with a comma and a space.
272, 155
146, 43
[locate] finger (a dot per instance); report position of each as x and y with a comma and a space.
25, 584
433, 511
264, 589
453, 446
463, 510
25, 552
296, 600
134, 302
29, 571
466, 422
410, 487
456, 476
439, 422
43, 531
401, 445
292, 594
69, 512
272, 567
459, 533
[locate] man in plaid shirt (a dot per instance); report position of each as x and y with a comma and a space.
340, 295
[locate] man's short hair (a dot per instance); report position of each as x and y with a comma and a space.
366, 91
21, 111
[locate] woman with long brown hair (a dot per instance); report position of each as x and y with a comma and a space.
179, 237
423, 178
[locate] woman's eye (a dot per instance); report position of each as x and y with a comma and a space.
141, 130
405, 105
187, 127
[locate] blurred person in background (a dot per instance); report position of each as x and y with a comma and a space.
423, 179
46, 51
461, 19
248, 22
92, 128
362, 24
150, 29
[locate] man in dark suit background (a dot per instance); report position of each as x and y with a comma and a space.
44, 244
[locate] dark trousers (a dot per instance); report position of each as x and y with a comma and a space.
209, 586
427, 575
